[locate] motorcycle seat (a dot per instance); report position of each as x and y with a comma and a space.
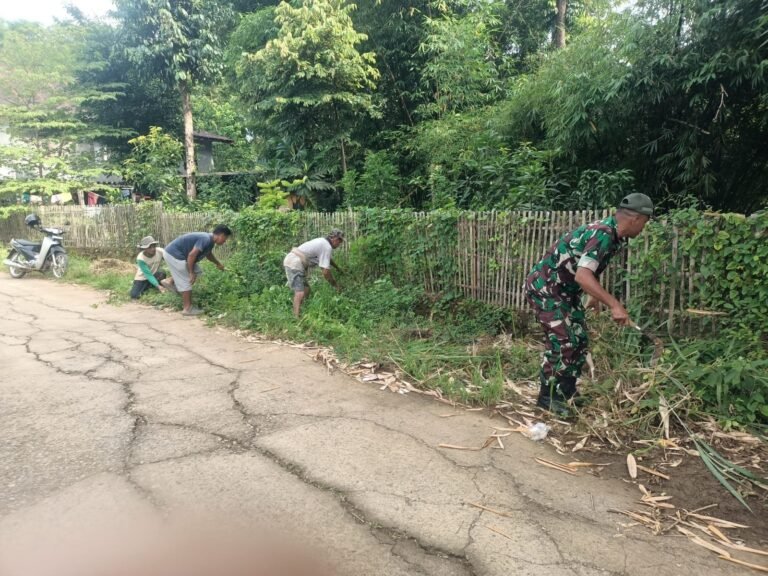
27, 242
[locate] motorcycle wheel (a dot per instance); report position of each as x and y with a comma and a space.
13, 270
59, 262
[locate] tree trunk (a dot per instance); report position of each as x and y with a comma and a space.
190, 170
560, 24
343, 158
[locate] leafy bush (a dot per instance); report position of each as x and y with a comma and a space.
377, 186
153, 165
231, 192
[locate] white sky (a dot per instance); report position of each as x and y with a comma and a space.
44, 11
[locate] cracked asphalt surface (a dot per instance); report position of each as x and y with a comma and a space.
109, 412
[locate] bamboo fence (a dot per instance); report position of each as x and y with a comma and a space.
493, 253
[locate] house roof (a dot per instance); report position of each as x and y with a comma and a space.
210, 136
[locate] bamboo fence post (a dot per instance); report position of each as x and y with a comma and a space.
672, 284
527, 241
514, 227
505, 271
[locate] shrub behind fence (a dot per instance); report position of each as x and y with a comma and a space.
688, 260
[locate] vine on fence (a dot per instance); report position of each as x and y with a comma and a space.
719, 261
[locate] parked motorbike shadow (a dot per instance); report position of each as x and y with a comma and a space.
30, 256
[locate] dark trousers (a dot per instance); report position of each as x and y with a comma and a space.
565, 329
140, 286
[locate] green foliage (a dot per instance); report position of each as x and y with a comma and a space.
153, 166
51, 147
311, 80
272, 194
377, 186
7, 211
461, 70
177, 40
725, 376
263, 230
216, 110
676, 95
230, 192
598, 189
730, 253
470, 166
123, 97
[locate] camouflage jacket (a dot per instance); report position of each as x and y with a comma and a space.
590, 246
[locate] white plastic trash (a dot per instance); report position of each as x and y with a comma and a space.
538, 431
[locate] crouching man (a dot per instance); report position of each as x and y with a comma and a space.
299, 261
182, 256
148, 271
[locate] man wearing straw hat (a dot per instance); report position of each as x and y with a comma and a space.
147, 268
554, 287
299, 261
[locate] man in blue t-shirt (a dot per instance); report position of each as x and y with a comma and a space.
182, 256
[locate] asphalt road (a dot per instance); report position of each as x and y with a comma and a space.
110, 413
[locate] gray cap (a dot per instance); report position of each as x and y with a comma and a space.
146, 242
639, 203
336, 233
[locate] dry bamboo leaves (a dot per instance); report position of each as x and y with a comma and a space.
663, 516
722, 553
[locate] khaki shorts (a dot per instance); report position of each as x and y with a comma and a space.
296, 279
180, 273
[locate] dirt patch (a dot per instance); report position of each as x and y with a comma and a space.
111, 265
692, 487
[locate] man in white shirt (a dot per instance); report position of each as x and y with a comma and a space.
301, 260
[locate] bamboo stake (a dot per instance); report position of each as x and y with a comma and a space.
672, 284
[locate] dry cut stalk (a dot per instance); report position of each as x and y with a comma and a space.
703, 543
556, 466
490, 440
454, 447
492, 529
486, 508
652, 471
716, 521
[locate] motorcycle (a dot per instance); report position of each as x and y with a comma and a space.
29, 256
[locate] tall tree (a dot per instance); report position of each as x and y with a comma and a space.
140, 102
561, 7
51, 149
311, 81
178, 41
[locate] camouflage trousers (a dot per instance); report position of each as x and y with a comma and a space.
565, 328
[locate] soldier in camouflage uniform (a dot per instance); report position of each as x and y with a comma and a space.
554, 288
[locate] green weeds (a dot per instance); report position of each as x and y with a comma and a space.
116, 282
